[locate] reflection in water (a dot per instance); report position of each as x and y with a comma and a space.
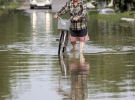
79, 72
34, 19
41, 29
78, 77
45, 21
63, 61
64, 80
48, 20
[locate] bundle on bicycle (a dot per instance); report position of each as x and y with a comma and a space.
63, 26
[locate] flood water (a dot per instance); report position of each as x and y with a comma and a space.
30, 68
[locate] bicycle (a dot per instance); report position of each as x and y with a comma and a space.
63, 26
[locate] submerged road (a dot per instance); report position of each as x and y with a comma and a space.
31, 70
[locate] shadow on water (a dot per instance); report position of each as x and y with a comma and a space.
30, 68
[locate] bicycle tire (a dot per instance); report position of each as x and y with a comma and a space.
63, 42
66, 41
60, 42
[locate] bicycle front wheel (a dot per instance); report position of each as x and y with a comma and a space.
63, 42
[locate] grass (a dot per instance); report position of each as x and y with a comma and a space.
9, 7
14, 5
113, 18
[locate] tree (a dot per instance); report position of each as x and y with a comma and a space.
125, 5
2, 2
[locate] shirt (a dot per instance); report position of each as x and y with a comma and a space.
80, 11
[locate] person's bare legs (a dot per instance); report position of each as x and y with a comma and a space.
74, 45
81, 46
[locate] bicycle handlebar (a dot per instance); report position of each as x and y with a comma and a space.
61, 18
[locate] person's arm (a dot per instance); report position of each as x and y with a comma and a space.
83, 14
64, 9
84, 11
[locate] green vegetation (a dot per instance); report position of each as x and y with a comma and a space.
113, 18
9, 7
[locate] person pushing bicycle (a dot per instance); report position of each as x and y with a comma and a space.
78, 28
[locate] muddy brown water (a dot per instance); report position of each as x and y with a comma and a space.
30, 68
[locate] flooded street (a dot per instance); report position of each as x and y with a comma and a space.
30, 68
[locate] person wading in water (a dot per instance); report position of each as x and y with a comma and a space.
78, 28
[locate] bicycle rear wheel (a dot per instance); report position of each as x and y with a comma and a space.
63, 42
